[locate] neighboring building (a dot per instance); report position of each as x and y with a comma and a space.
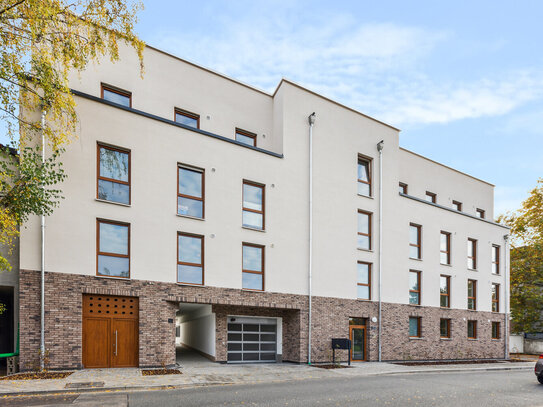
187, 203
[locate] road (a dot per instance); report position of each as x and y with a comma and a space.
503, 388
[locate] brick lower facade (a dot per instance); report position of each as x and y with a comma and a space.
159, 302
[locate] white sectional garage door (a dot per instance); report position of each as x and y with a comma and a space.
252, 340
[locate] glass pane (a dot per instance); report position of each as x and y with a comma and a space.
363, 189
267, 337
471, 329
245, 139
413, 235
251, 327
190, 207
363, 242
234, 337
186, 120
234, 357
443, 258
470, 289
252, 258
116, 98
190, 249
363, 273
471, 263
413, 327
267, 356
429, 198
363, 292
443, 286
189, 274
358, 344
363, 171
252, 220
251, 346
252, 197
471, 303
413, 298
267, 346
471, 245
494, 254
414, 252
401, 189
113, 164
363, 223
113, 266
413, 281
444, 301
114, 192
443, 246
251, 337
252, 281
190, 182
267, 328
444, 328
113, 238
234, 346
251, 356
234, 327
494, 291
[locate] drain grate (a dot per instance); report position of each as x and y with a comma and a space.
84, 385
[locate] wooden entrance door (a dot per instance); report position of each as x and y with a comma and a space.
110, 331
357, 335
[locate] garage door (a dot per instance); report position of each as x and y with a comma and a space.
252, 340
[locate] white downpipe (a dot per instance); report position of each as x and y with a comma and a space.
380, 147
42, 308
506, 292
311, 120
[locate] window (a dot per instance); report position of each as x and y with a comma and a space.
431, 197
472, 254
444, 328
495, 297
190, 191
190, 258
246, 137
457, 205
445, 291
472, 294
495, 259
187, 118
253, 205
415, 327
480, 213
113, 251
402, 188
414, 287
495, 330
118, 96
445, 248
364, 230
364, 176
415, 247
472, 329
113, 174
364, 280
253, 267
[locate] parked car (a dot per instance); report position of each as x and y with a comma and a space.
538, 370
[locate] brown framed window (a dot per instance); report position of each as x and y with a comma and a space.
496, 330
495, 297
414, 287
472, 329
246, 137
472, 294
480, 213
190, 191
112, 248
253, 267
472, 254
415, 244
364, 230
187, 118
364, 280
113, 174
445, 248
495, 259
445, 291
444, 328
364, 176
415, 328
190, 258
457, 205
402, 188
116, 95
253, 207
431, 197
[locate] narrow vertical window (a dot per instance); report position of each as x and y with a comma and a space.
415, 246
364, 176
113, 174
364, 280
246, 137
190, 191
445, 291
495, 297
472, 329
402, 188
253, 205
115, 95
495, 259
472, 254
472, 294
415, 330
445, 248
457, 205
431, 197
190, 258
364, 230
414, 287
253, 267
187, 118
495, 330
445, 328
113, 249
480, 213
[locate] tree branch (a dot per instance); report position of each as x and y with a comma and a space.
12, 6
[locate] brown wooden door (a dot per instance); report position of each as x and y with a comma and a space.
110, 331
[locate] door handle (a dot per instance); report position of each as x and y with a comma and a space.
115, 342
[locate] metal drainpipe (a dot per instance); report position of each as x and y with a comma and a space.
311, 121
506, 292
380, 147
42, 310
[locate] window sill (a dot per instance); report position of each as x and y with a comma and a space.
444, 307
364, 299
255, 229
364, 250
189, 217
496, 274
249, 290
446, 265
365, 196
113, 277
412, 258
445, 339
417, 338
496, 339
472, 269
473, 339
112, 202
472, 310
191, 284
415, 305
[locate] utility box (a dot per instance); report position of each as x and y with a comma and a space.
13, 365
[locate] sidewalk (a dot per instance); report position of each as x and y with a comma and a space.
215, 374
